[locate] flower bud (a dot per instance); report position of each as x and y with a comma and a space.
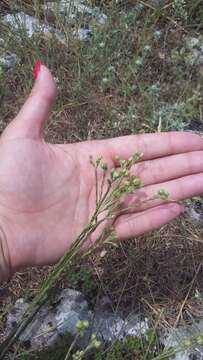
104, 166
86, 324
163, 194
199, 340
115, 175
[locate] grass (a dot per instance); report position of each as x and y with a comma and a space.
135, 75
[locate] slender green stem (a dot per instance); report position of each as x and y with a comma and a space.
103, 202
71, 347
102, 185
96, 185
41, 297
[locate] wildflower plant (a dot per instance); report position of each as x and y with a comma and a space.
110, 191
94, 344
180, 9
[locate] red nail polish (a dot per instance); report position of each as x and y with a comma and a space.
37, 69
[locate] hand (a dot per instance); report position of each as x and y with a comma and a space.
47, 192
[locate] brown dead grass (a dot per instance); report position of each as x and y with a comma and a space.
156, 272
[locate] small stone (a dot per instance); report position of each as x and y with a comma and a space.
195, 216
83, 34
53, 321
1, 42
66, 314
62, 9
107, 325
201, 60
69, 11
192, 42
156, 3
196, 48
101, 19
185, 337
15, 314
84, 9
134, 326
25, 22
8, 60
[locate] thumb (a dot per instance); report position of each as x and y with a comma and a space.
35, 112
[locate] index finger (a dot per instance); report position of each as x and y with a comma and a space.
154, 145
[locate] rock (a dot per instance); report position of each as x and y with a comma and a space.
201, 60
53, 322
101, 19
72, 307
156, 3
84, 9
62, 9
195, 216
135, 326
71, 8
107, 325
195, 45
182, 337
83, 34
16, 313
32, 25
8, 60
192, 42
71, 11
1, 42
26, 23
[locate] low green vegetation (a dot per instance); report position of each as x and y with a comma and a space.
138, 73
131, 348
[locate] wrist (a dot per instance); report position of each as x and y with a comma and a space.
5, 265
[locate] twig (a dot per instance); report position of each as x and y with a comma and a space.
186, 298
167, 17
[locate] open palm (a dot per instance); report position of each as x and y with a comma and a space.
47, 192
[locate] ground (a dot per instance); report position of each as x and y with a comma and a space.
137, 73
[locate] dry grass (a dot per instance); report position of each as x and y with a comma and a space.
158, 273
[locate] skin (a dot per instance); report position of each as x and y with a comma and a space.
47, 192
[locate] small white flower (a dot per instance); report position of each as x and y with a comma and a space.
157, 34
147, 48
139, 61
101, 44
111, 68
140, 7
105, 80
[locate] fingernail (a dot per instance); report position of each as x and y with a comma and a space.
37, 69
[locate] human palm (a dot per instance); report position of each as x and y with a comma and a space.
47, 192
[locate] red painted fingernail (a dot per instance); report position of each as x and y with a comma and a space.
37, 69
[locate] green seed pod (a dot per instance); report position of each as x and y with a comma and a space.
124, 172
115, 175
187, 343
98, 161
104, 166
86, 324
137, 182
93, 337
199, 340
79, 325
97, 344
163, 194
126, 183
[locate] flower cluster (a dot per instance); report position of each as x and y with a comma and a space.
82, 326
